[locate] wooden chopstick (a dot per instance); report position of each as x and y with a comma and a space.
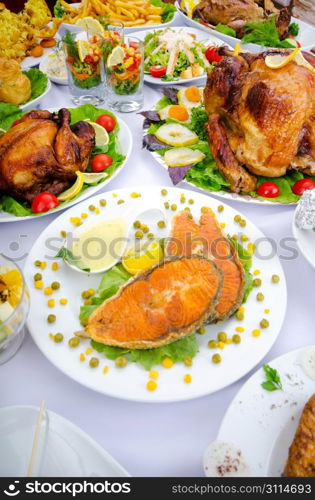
36, 439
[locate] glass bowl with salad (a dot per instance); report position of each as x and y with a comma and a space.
84, 60
124, 75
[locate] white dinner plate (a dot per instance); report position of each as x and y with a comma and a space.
306, 36
43, 66
200, 37
125, 141
305, 239
262, 424
35, 102
130, 382
76, 29
64, 449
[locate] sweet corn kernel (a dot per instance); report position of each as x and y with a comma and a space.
167, 362
76, 221
154, 374
229, 341
48, 290
43, 265
221, 344
244, 238
88, 351
241, 308
54, 266
188, 361
151, 385
84, 215
222, 224
105, 369
82, 357
63, 302
97, 211
267, 311
256, 333
251, 248
239, 329
51, 302
135, 195
187, 378
51, 336
63, 234
256, 272
39, 285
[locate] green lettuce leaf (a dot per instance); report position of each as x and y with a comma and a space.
264, 33
8, 114
285, 184
58, 9
12, 206
222, 28
246, 261
168, 10
38, 81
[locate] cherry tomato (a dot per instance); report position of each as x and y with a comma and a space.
106, 121
44, 202
16, 122
303, 185
101, 162
157, 71
268, 190
212, 55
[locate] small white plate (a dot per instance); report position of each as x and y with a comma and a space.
305, 239
64, 449
125, 140
130, 383
35, 102
43, 66
200, 37
262, 424
306, 36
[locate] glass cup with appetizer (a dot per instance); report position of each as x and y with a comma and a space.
124, 75
113, 35
85, 67
14, 308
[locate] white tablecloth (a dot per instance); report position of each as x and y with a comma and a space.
159, 439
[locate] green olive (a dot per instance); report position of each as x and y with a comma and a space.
216, 358
55, 285
74, 342
121, 362
37, 277
51, 318
94, 362
222, 336
163, 192
275, 278
257, 282
236, 339
260, 297
161, 224
58, 337
264, 323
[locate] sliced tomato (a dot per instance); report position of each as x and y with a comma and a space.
101, 162
268, 190
212, 55
157, 71
303, 185
44, 202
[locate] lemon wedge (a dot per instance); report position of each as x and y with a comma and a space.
237, 49
13, 282
74, 189
136, 262
301, 61
84, 49
101, 134
278, 61
91, 25
116, 57
91, 177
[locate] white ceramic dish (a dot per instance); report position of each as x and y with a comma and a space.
305, 239
75, 29
43, 66
130, 382
306, 35
200, 37
35, 102
125, 141
64, 449
268, 419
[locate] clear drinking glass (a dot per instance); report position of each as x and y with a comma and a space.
113, 34
85, 67
124, 76
14, 308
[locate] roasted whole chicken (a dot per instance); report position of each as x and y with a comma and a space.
261, 120
235, 13
42, 153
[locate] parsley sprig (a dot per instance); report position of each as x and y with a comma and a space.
273, 381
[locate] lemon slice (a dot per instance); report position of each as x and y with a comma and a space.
74, 189
91, 25
91, 178
101, 135
237, 49
136, 262
84, 49
301, 61
13, 283
116, 57
278, 61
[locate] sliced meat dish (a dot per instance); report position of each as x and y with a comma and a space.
159, 306
206, 238
301, 460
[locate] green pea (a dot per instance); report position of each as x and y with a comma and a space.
275, 278
103, 203
74, 342
237, 218
119, 202
58, 337
212, 344
145, 228
216, 358
257, 282
137, 224
150, 236
94, 362
63, 233
191, 201
92, 208
161, 224
121, 362
236, 339
51, 318
264, 323
163, 192
242, 223
220, 208
167, 205
37, 263
260, 297
240, 315
55, 285
38, 277
201, 330
138, 235
222, 336
174, 207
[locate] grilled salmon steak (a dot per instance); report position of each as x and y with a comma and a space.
207, 239
159, 306
301, 460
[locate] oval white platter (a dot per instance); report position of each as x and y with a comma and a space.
35, 102
125, 141
200, 37
64, 449
130, 383
306, 35
268, 419
305, 239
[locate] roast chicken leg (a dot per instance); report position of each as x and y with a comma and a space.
42, 153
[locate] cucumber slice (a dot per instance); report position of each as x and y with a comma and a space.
179, 157
175, 134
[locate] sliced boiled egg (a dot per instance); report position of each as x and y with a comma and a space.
176, 112
190, 97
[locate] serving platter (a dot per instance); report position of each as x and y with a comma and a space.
306, 35
200, 37
35, 102
305, 239
268, 419
64, 449
125, 140
130, 383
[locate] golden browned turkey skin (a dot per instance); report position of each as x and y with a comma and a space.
261, 120
301, 460
43, 153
